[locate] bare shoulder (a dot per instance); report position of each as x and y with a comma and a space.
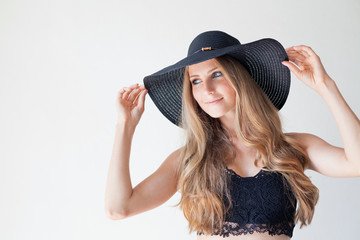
311, 143
325, 158
173, 160
176, 154
308, 140
297, 134
166, 177
304, 139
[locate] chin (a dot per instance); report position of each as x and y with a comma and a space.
214, 115
220, 113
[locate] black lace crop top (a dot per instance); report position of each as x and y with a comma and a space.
261, 203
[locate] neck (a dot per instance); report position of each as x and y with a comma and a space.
228, 122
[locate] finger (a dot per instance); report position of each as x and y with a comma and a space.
292, 68
298, 53
121, 92
139, 95
141, 99
142, 86
297, 50
136, 100
133, 95
296, 58
131, 87
135, 85
126, 93
305, 49
299, 64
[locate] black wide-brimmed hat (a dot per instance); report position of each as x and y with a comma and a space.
262, 59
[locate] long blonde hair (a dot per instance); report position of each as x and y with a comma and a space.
202, 180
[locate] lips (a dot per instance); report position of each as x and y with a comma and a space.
214, 101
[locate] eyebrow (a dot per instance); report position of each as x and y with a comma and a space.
207, 72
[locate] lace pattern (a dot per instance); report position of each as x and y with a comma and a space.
230, 228
261, 203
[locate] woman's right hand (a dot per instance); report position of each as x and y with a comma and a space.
130, 104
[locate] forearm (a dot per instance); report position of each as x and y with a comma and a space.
118, 186
347, 121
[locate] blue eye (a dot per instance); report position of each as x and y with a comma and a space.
217, 74
194, 81
214, 75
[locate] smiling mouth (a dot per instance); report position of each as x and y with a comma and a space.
215, 101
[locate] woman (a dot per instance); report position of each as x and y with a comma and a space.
239, 175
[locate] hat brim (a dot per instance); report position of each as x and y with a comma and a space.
262, 59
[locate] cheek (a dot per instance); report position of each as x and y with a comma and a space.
232, 93
196, 95
229, 91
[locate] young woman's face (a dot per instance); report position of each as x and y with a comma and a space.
211, 89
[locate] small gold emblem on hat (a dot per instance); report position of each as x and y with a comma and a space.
205, 48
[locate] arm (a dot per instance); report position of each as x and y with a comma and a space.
121, 200
325, 158
155, 189
118, 184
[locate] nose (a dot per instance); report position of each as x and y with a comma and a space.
209, 87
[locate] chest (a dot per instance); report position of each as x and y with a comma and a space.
263, 198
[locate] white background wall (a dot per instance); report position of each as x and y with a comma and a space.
61, 65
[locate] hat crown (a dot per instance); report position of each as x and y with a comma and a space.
213, 39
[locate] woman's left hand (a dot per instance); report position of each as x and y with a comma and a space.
311, 71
